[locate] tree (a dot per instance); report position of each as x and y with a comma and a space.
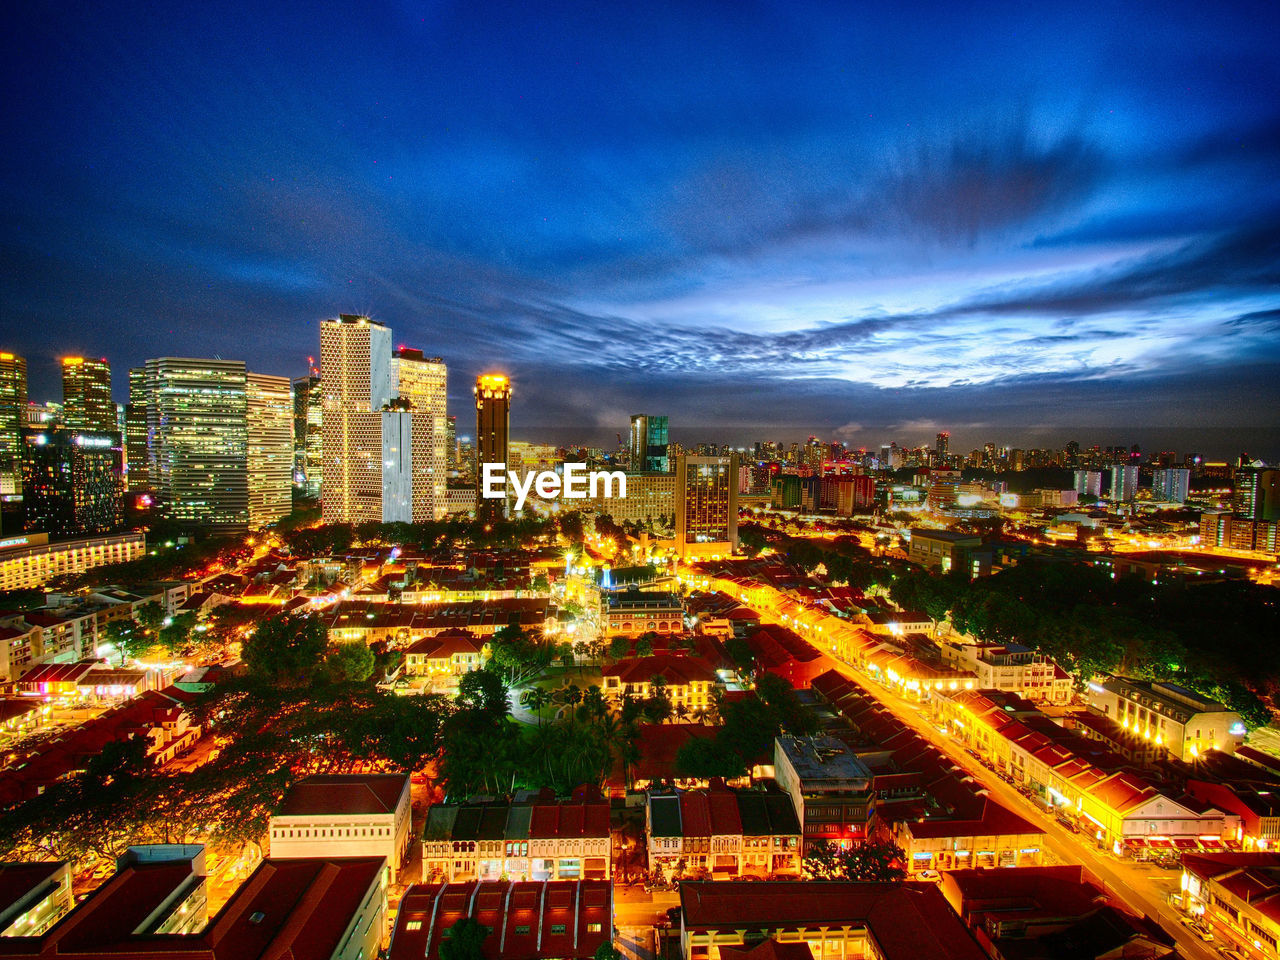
607, 951
517, 658
536, 698
484, 692
286, 649
644, 646
619, 647
351, 662
870, 860
464, 940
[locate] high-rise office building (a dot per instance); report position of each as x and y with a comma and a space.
493, 436
649, 444
197, 433
1124, 482
1171, 484
72, 482
1257, 493
136, 458
943, 447
355, 380
269, 456
707, 506
451, 443
308, 435
421, 384
13, 408
86, 395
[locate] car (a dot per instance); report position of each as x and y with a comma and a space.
1187, 921
1204, 934
1232, 954
929, 875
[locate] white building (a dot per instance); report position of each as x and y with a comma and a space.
1011, 667
269, 401
1183, 722
334, 815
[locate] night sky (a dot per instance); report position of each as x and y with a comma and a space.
1022, 222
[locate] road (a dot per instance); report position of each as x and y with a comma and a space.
1143, 888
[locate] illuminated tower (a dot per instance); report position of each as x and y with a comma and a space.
308, 434
420, 384
355, 381
197, 433
86, 395
707, 506
943, 447
269, 409
649, 447
493, 429
13, 409
72, 481
137, 468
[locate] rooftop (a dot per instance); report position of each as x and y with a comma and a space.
336, 794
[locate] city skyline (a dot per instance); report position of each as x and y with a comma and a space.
1062, 222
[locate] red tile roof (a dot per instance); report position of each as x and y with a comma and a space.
330, 794
568, 919
910, 921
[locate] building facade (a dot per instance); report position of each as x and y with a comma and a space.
308, 435
269, 409
421, 384
13, 408
86, 395
31, 560
706, 506
72, 482
355, 371
493, 436
1184, 722
337, 815
198, 440
830, 788
649, 444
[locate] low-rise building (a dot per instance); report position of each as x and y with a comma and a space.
33, 897
1182, 721
30, 560
632, 613
450, 653
1237, 895
1011, 667
1045, 913
526, 920
943, 550
688, 681
834, 919
344, 815
519, 841
830, 787
727, 833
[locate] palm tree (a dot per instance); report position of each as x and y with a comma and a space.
595, 703
535, 698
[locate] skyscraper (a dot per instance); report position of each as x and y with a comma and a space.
493, 435
308, 435
1171, 484
1088, 483
197, 430
269, 457
136, 459
649, 444
355, 380
13, 407
943, 447
72, 482
86, 395
421, 384
707, 505
1257, 493
1124, 482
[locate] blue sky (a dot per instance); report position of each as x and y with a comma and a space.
865, 221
